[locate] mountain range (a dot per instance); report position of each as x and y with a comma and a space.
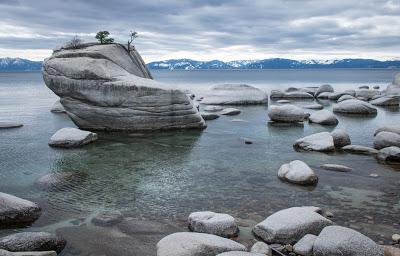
19, 64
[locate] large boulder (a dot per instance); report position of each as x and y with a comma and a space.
71, 137
388, 128
290, 225
286, 113
107, 87
386, 139
235, 94
32, 241
298, 172
354, 106
324, 117
219, 224
361, 150
324, 88
389, 154
195, 244
305, 245
340, 138
386, 101
339, 241
322, 141
15, 211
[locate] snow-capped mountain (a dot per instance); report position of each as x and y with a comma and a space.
18, 64
274, 63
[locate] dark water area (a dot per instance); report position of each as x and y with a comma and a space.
157, 179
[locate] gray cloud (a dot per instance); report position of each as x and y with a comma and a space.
211, 28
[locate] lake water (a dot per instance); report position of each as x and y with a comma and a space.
157, 179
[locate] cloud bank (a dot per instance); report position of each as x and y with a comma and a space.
209, 29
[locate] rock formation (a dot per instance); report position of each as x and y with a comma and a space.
105, 87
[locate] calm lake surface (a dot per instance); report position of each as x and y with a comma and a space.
162, 177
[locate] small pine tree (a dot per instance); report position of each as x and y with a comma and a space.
133, 35
102, 36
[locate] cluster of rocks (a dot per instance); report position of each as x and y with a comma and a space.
18, 212
293, 231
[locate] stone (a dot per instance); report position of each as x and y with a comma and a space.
366, 93
213, 108
106, 87
323, 117
297, 95
396, 238
313, 106
324, 88
391, 251
290, 225
10, 124
276, 94
43, 253
340, 138
305, 245
388, 128
358, 149
230, 111
298, 172
355, 106
363, 87
336, 167
199, 244
209, 116
71, 137
291, 89
240, 253
235, 94
322, 142
107, 218
286, 113
389, 154
219, 224
58, 180
386, 139
324, 95
339, 241
57, 107
261, 247
15, 211
386, 101
345, 97
283, 101
32, 241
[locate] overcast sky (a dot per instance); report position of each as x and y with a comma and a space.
208, 29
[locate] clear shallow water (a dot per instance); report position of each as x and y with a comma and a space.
165, 176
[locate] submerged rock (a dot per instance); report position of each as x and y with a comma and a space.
339, 241
71, 137
187, 244
219, 224
235, 94
9, 125
354, 106
290, 225
32, 241
57, 107
362, 150
388, 128
15, 211
286, 113
340, 138
58, 180
298, 172
385, 101
322, 141
386, 139
324, 117
336, 167
208, 116
107, 87
230, 111
389, 154
305, 245
107, 218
